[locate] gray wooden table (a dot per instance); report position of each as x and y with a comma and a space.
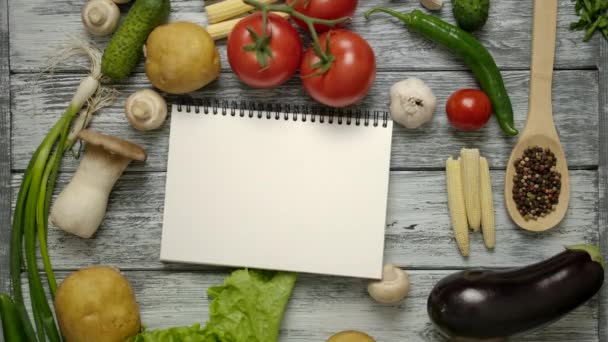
418, 233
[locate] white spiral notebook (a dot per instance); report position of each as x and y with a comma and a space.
277, 187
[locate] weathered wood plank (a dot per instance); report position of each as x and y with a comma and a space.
5, 152
418, 233
603, 181
5, 148
322, 306
39, 26
575, 107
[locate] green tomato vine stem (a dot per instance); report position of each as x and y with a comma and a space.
325, 57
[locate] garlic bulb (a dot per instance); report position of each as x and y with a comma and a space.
432, 5
100, 17
412, 103
146, 110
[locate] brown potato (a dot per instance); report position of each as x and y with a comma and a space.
351, 336
96, 304
181, 57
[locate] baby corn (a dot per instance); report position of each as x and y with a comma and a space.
470, 182
456, 204
223, 29
228, 9
488, 227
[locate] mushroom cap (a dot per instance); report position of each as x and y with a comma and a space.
114, 145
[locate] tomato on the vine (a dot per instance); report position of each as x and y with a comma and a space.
264, 60
469, 109
351, 69
324, 9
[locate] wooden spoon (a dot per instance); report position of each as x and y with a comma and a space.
540, 128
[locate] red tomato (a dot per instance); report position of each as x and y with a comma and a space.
283, 58
469, 109
351, 74
324, 9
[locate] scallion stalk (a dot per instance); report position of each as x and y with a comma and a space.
30, 220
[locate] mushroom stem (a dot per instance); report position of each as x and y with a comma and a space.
101, 168
146, 110
390, 274
393, 287
96, 16
100, 17
141, 110
81, 206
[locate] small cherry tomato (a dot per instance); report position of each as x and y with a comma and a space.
324, 9
469, 109
350, 75
271, 63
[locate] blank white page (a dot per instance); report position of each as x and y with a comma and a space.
276, 194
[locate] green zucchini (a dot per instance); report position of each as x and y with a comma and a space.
125, 49
471, 15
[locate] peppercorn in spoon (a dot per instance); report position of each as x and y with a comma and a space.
537, 188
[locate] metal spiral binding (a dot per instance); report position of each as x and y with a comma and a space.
287, 112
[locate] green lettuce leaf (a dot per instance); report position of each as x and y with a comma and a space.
180, 334
248, 307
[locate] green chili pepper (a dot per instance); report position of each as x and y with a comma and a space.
11, 322
475, 55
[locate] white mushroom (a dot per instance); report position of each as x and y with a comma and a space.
412, 103
146, 110
433, 5
100, 17
393, 287
81, 206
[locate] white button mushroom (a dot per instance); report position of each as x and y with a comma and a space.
100, 17
433, 5
81, 206
146, 110
393, 287
412, 103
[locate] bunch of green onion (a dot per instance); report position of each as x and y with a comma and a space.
30, 218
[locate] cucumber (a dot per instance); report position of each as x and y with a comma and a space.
125, 49
471, 15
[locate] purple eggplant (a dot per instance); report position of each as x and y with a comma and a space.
484, 305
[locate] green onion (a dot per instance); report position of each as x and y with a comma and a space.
11, 322
30, 220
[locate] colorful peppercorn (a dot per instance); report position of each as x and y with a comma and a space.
536, 184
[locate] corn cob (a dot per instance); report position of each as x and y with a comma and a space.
470, 182
488, 226
228, 9
458, 216
222, 30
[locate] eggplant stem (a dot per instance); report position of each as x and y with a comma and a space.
593, 251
